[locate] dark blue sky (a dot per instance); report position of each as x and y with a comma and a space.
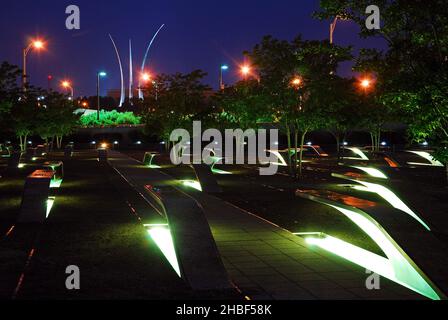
198, 34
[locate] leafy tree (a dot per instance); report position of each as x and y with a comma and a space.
9, 93
175, 101
55, 118
414, 69
296, 76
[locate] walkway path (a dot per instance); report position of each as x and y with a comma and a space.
264, 260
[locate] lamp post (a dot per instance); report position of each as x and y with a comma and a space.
245, 71
36, 44
100, 74
67, 84
366, 84
332, 28
223, 68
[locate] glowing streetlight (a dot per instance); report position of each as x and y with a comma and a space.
366, 84
296, 82
245, 71
67, 85
223, 68
146, 77
37, 45
100, 74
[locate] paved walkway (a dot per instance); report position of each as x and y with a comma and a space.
264, 260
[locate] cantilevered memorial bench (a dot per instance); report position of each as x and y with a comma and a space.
198, 259
407, 246
148, 159
206, 178
57, 167
35, 199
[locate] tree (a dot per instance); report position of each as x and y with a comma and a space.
174, 101
9, 93
342, 110
297, 76
415, 66
55, 118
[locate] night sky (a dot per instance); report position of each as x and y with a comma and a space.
198, 34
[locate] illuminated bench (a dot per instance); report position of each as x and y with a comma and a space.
392, 234
5, 151
186, 241
57, 167
102, 155
206, 178
148, 160
58, 170
36, 203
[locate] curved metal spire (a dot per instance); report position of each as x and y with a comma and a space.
131, 75
140, 92
122, 96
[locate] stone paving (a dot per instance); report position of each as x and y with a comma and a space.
264, 260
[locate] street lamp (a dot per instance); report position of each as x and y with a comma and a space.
100, 74
366, 84
36, 44
67, 85
245, 71
223, 68
146, 77
296, 82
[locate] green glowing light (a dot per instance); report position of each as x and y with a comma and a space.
359, 152
215, 161
192, 184
50, 202
21, 165
55, 183
163, 239
372, 171
280, 158
388, 195
34, 159
427, 156
398, 267
151, 165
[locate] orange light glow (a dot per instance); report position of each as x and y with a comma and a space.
146, 77
66, 84
365, 83
296, 82
38, 44
245, 70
